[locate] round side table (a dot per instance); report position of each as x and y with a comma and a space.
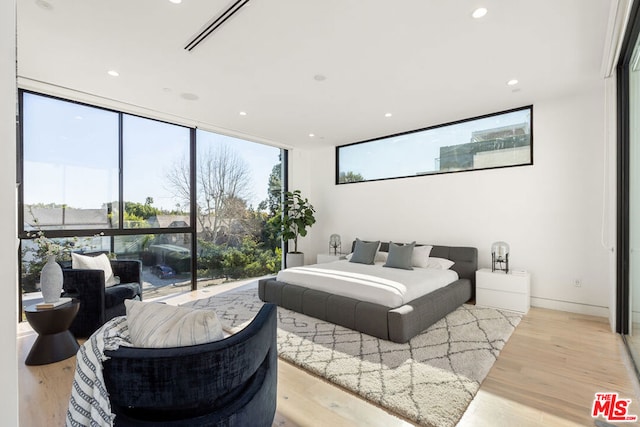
54, 342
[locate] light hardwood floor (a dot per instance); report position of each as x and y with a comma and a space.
546, 375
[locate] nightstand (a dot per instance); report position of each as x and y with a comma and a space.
503, 291
322, 258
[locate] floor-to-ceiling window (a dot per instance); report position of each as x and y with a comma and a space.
194, 207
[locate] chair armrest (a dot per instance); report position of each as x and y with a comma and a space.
88, 287
129, 271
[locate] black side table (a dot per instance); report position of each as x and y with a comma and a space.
54, 342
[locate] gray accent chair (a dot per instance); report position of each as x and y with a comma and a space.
97, 303
231, 382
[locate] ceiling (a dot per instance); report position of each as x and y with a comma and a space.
424, 61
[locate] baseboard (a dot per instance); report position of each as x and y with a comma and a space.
572, 307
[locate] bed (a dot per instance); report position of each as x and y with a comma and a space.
383, 320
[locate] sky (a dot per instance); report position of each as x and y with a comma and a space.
71, 156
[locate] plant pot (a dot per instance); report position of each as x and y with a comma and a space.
294, 259
51, 280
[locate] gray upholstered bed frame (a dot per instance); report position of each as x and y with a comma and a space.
398, 324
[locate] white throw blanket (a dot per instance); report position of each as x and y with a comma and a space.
89, 404
389, 287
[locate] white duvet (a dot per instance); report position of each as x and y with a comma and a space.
390, 287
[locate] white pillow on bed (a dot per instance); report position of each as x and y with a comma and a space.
380, 256
439, 263
420, 257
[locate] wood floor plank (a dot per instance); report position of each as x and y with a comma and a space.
546, 375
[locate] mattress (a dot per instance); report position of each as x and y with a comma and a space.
389, 287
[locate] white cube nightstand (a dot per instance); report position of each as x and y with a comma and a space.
322, 258
504, 291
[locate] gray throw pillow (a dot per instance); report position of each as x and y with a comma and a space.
364, 252
400, 256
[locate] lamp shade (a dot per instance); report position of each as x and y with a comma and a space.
500, 257
500, 250
335, 243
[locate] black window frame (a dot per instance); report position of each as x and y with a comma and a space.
120, 230
456, 122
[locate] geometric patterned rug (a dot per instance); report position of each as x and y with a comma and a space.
430, 380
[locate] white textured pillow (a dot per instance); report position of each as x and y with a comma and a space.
440, 263
420, 257
100, 262
155, 325
381, 256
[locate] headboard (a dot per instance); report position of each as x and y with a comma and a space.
465, 258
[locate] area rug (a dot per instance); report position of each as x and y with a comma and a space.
430, 380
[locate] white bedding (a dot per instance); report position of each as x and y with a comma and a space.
390, 287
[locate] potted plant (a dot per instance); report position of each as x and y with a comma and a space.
292, 221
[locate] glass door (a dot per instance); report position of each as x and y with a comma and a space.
633, 336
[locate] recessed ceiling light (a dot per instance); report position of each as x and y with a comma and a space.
243, 113
479, 12
176, 1
311, 135
44, 4
388, 115
189, 96
512, 82
319, 77
113, 73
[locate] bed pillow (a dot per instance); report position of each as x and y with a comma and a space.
400, 256
440, 263
420, 257
364, 252
100, 262
155, 325
380, 256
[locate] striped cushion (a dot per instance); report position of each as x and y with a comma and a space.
155, 325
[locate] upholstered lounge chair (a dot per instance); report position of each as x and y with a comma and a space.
231, 382
97, 303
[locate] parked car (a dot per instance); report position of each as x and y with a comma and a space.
163, 271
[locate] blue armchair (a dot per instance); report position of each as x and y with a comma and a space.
231, 382
97, 303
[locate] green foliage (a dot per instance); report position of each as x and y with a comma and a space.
140, 211
274, 190
178, 261
250, 259
350, 177
294, 217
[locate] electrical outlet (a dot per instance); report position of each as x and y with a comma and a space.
577, 283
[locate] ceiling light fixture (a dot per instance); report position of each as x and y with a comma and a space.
113, 73
243, 113
44, 4
311, 135
479, 12
512, 82
215, 24
319, 77
176, 1
388, 115
189, 96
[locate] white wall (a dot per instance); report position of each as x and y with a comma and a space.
550, 213
8, 233
609, 234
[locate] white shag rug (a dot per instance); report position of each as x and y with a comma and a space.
430, 380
